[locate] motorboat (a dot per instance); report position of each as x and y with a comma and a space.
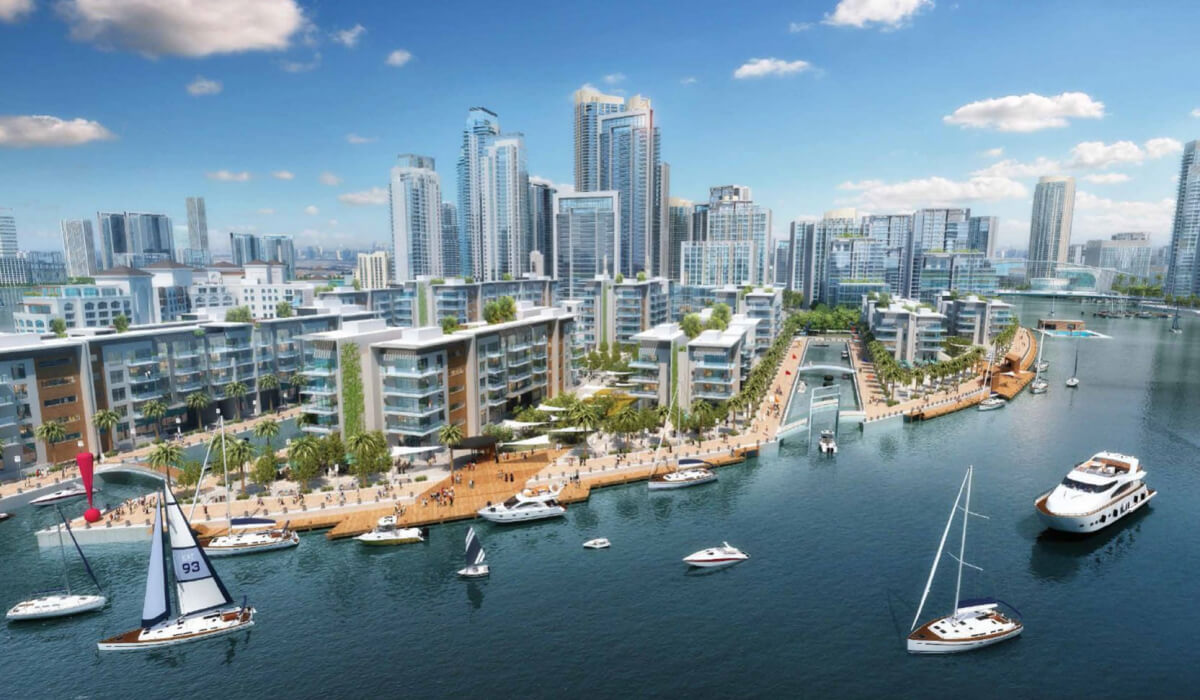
63, 602
725, 555
529, 504
1042, 365
827, 443
1073, 382
475, 555
845, 354
205, 608
250, 535
1095, 494
992, 402
5, 516
386, 533
59, 496
1039, 386
598, 543
974, 623
687, 472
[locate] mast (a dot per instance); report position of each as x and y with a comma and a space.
937, 557
962, 547
63, 551
156, 606
1075, 372
86, 565
1041, 346
225, 468
199, 482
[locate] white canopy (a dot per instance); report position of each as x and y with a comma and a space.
550, 409
518, 425
570, 429
529, 442
402, 451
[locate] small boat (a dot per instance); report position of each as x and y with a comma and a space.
845, 354
1095, 494
992, 402
1074, 380
205, 608
59, 496
598, 543
725, 555
973, 623
524, 506
386, 533
827, 444
475, 567
687, 472
1039, 386
5, 516
65, 602
1041, 366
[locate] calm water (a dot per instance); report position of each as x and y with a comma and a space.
840, 551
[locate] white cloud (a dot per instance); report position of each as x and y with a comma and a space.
398, 58
333, 222
203, 86
311, 210
266, 211
890, 14
992, 153
14, 10
328, 178
690, 80
932, 192
1196, 112
349, 37
560, 187
614, 78
761, 67
301, 66
797, 27
1162, 146
1106, 178
1014, 168
184, 27
1099, 155
356, 139
373, 196
228, 176
20, 131
1024, 113
283, 174
1100, 215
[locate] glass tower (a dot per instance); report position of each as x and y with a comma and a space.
1185, 231
482, 126
1050, 225
415, 196
587, 239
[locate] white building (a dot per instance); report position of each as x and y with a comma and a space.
1050, 225
373, 268
79, 247
912, 331
415, 195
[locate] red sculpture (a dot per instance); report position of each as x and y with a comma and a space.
84, 461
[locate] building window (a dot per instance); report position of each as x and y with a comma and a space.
59, 401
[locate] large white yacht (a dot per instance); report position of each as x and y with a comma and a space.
529, 504
687, 472
387, 533
1095, 494
250, 535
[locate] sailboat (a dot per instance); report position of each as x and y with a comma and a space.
994, 400
974, 623
1039, 385
205, 608
61, 603
475, 566
247, 535
1175, 322
1074, 380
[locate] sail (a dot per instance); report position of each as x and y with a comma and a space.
475, 553
86, 565
196, 584
938, 557
157, 605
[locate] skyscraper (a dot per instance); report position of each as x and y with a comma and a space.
681, 218
587, 239
934, 230
482, 126
244, 247
8, 233
660, 234
590, 105
541, 218
197, 224
506, 208
817, 242
736, 249
79, 247
415, 194
981, 234
1050, 225
281, 249
451, 260
135, 239
629, 165
1185, 231
373, 270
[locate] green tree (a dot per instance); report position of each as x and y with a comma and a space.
267, 429
155, 410
198, 401
353, 405
721, 311
59, 327
106, 421
507, 277
641, 276
236, 391
265, 469
164, 456
304, 454
50, 433
500, 432
508, 308
333, 450
267, 382
284, 310
450, 434
691, 325
121, 323
189, 473
368, 447
449, 324
239, 314
619, 279
237, 454
297, 382
357, 284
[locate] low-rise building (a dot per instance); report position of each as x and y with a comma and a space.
977, 319
912, 331
658, 365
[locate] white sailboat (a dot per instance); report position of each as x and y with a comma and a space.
1175, 322
475, 555
66, 602
994, 400
205, 608
1040, 385
1074, 380
973, 623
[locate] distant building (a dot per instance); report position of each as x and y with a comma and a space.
934, 231
629, 165
135, 239
415, 196
590, 105
736, 247
587, 239
197, 224
244, 247
79, 247
541, 219
482, 126
976, 319
1128, 253
8, 233
681, 217
911, 331
981, 234
1183, 270
451, 245
373, 270
1050, 225
506, 208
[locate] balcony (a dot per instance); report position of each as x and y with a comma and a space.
644, 363
415, 392
150, 378
187, 354
185, 371
522, 347
714, 364
320, 409
318, 371
142, 361
411, 372
417, 411
319, 429
712, 394
221, 364
190, 386
317, 390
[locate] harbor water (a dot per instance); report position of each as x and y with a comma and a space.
840, 549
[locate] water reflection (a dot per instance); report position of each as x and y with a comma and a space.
1059, 556
474, 595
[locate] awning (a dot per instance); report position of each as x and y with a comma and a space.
550, 409
529, 442
575, 429
518, 425
402, 451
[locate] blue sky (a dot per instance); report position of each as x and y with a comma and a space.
886, 105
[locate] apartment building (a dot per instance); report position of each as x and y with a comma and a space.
912, 331
661, 360
978, 320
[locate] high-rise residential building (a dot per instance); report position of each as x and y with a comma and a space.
415, 194
373, 270
279, 248
815, 248
629, 164
660, 234
506, 208
1128, 253
590, 105
244, 247
79, 247
8, 233
482, 127
934, 230
451, 260
135, 239
736, 248
800, 234
1050, 225
587, 239
1185, 230
981, 234
681, 218
1075, 253
541, 219
895, 232
781, 263
197, 224
855, 266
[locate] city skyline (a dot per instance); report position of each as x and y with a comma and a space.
992, 126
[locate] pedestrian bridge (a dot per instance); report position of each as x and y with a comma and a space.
824, 368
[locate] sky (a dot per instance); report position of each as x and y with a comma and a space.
286, 115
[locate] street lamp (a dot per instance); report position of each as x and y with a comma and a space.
179, 427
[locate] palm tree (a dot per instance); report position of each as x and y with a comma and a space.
238, 453
297, 382
198, 401
164, 455
267, 383
366, 446
106, 421
450, 434
50, 433
155, 410
236, 390
267, 429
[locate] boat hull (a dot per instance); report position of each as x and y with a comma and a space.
57, 497
229, 546
55, 606
507, 517
1085, 523
181, 631
664, 485
477, 571
925, 646
378, 541
714, 563
599, 543
991, 406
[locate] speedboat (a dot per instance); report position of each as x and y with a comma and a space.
241, 540
725, 555
56, 604
386, 533
59, 496
1095, 494
598, 543
845, 354
5, 516
1039, 386
992, 402
475, 555
827, 444
688, 472
1073, 382
529, 504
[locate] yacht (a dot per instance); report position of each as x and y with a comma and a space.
5, 516
386, 533
687, 472
598, 543
827, 444
526, 505
64, 602
1095, 494
59, 496
243, 538
992, 402
724, 555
